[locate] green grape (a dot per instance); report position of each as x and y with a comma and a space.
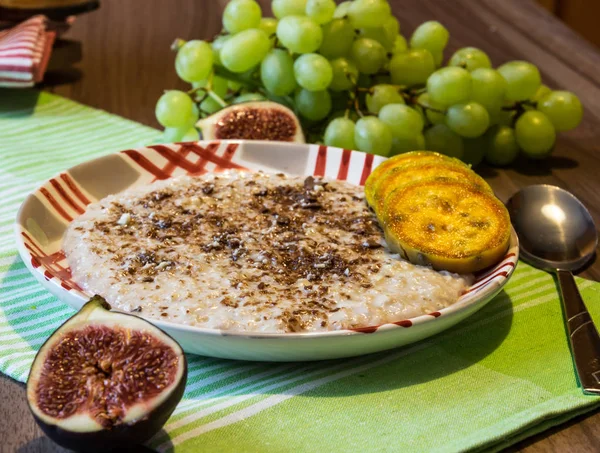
313, 72
341, 10
470, 58
234, 86
430, 35
194, 116
535, 134
345, 74
440, 138
186, 134
405, 145
313, 105
338, 36
372, 135
448, 86
438, 58
245, 49
468, 120
219, 85
217, 45
241, 15
542, 91
381, 95
288, 101
268, 25
283, 8
299, 34
192, 135
563, 109
500, 116
248, 97
194, 61
433, 112
501, 145
190, 120
412, 67
277, 72
474, 149
174, 109
522, 78
400, 44
340, 133
210, 106
174, 134
488, 88
385, 34
404, 122
321, 11
368, 55
368, 13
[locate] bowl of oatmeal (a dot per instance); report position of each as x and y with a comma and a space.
244, 250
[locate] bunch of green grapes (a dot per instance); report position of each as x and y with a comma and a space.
356, 82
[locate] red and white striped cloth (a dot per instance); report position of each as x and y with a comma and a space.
24, 53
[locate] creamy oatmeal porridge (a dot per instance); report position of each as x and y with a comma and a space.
250, 252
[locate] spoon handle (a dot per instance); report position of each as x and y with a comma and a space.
585, 341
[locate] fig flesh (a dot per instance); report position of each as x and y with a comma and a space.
261, 120
105, 380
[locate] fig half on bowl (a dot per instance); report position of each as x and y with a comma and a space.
105, 380
259, 120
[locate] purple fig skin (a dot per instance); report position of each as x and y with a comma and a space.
122, 436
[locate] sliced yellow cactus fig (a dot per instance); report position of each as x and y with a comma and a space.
448, 225
404, 175
413, 158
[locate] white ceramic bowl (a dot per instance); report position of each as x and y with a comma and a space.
46, 213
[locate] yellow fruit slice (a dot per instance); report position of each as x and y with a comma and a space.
404, 175
411, 158
449, 225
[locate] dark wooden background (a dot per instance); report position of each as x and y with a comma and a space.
127, 63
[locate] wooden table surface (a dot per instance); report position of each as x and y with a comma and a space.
127, 63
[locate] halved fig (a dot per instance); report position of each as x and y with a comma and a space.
261, 120
105, 380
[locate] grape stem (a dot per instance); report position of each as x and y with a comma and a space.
519, 109
357, 107
233, 77
202, 99
195, 90
217, 98
233, 94
426, 107
518, 106
177, 44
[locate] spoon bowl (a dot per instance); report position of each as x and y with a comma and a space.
557, 233
555, 229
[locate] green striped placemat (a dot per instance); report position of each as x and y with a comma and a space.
504, 374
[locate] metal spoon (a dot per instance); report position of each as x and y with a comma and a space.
557, 233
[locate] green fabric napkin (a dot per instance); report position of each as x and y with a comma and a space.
502, 375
